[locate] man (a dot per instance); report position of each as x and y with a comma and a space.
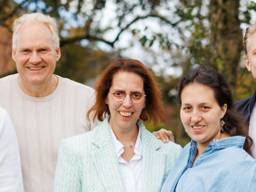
247, 106
10, 170
45, 107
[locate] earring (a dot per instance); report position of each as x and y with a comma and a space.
222, 123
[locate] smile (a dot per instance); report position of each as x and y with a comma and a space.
126, 114
35, 68
197, 128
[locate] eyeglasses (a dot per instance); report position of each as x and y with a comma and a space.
135, 96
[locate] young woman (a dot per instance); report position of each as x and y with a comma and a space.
119, 154
217, 158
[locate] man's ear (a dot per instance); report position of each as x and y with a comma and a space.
14, 54
247, 63
58, 54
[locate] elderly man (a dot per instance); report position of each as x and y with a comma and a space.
45, 107
247, 106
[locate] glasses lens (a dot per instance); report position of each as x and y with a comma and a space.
134, 96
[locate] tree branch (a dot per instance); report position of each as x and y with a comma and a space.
112, 43
64, 42
12, 13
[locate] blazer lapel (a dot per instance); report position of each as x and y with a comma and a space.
105, 159
154, 167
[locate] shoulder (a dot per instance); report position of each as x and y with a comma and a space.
77, 90
241, 104
234, 155
245, 106
76, 85
172, 148
239, 162
5, 81
9, 77
78, 144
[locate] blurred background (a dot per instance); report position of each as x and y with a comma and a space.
170, 36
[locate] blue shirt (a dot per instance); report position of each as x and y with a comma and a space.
224, 166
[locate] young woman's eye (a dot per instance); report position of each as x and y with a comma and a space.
205, 108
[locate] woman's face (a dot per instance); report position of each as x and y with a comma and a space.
251, 54
200, 113
125, 100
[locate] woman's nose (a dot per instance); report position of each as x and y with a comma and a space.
195, 116
127, 102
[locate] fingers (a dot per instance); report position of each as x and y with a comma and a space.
164, 135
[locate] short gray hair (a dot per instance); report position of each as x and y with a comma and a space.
38, 18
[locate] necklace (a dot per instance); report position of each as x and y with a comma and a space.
129, 146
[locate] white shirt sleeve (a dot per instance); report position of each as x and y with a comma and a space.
10, 168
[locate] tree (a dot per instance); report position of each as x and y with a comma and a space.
226, 37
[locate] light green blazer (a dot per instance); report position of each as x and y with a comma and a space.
88, 163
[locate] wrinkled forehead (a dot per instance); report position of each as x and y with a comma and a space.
33, 33
33, 25
250, 35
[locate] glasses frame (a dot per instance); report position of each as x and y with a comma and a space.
123, 97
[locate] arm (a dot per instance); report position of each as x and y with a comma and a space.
67, 176
10, 168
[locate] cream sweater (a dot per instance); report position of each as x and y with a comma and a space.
41, 123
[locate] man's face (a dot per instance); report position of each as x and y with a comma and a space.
35, 54
251, 54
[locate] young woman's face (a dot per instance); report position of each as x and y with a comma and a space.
251, 54
200, 113
125, 100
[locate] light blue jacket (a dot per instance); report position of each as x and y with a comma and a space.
223, 167
88, 162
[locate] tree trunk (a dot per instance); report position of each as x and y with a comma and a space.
226, 37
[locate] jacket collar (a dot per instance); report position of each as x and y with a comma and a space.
106, 161
102, 137
234, 141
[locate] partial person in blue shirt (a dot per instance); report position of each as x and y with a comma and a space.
218, 157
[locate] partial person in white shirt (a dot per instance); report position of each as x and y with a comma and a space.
10, 168
119, 154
